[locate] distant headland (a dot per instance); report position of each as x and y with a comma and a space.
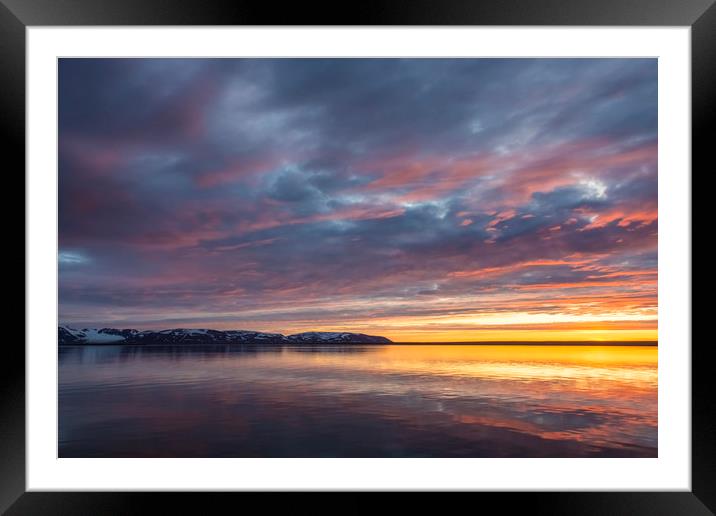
93, 336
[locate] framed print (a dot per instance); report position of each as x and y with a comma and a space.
416, 249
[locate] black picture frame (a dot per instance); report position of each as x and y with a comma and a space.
16, 15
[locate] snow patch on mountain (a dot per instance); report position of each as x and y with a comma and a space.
93, 335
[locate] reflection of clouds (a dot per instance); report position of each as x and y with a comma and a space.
572, 407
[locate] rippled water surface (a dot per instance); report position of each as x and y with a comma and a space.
351, 401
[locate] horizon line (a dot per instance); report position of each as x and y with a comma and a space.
585, 342
540, 343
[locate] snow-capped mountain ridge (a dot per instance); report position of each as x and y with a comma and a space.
73, 336
330, 336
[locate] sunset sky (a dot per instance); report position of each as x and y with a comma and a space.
418, 199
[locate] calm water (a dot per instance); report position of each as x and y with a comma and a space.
372, 401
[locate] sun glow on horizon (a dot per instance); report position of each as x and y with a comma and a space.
595, 335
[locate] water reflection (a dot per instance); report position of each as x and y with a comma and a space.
358, 401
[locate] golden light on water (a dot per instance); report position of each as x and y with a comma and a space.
471, 400
513, 361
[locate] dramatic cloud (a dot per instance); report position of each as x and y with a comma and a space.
415, 198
